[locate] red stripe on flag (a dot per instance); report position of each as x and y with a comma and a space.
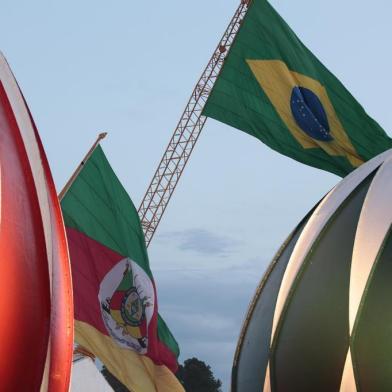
91, 261
157, 350
116, 300
167, 357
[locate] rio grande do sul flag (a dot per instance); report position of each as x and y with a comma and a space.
272, 87
116, 316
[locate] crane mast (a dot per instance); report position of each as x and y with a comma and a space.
186, 134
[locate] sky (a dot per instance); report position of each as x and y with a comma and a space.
128, 68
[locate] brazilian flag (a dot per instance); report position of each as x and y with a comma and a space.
272, 87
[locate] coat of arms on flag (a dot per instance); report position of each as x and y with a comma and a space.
127, 301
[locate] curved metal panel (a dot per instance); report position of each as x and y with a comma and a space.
24, 274
316, 223
312, 338
371, 343
252, 352
373, 226
310, 331
34, 272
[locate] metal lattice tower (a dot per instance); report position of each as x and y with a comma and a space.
186, 133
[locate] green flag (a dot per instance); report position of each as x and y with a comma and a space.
115, 298
272, 87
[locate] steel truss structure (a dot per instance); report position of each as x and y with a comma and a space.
186, 133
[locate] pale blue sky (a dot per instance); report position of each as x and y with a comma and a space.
129, 67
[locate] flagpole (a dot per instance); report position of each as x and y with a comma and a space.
80, 167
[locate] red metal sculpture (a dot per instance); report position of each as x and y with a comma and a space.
36, 328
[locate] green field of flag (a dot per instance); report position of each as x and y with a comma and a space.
272, 87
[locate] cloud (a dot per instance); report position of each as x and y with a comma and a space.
210, 322
205, 309
202, 241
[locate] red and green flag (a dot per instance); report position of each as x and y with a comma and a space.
272, 87
116, 311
